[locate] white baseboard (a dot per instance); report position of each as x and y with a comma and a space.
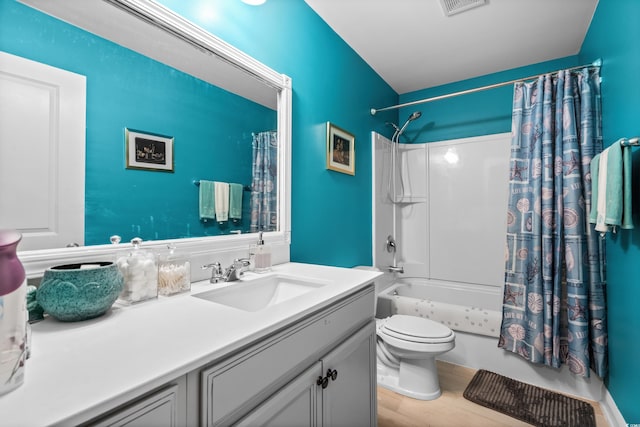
610, 411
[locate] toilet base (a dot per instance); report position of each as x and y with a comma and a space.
416, 378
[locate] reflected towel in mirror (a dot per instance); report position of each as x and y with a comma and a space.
221, 190
235, 201
207, 200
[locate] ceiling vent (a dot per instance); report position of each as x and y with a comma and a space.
451, 7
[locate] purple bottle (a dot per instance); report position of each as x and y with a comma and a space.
13, 313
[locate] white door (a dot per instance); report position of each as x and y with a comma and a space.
42, 153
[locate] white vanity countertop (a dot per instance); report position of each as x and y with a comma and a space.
81, 369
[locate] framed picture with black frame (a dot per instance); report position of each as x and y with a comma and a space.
148, 151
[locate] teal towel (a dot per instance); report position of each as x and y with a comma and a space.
595, 168
235, 201
619, 186
207, 200
627, 220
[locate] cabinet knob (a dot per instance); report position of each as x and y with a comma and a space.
322, 381
332, 373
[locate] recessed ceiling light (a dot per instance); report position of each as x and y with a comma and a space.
254, 2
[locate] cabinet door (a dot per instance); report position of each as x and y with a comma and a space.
295, 405
350, 399
158, 410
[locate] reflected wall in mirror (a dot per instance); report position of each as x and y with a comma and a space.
213, 131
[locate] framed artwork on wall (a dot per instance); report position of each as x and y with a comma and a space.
148, 151
341, 150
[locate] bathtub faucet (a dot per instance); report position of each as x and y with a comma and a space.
396, 269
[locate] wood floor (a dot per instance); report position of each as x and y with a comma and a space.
449, 410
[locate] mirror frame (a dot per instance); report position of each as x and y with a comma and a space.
150, 13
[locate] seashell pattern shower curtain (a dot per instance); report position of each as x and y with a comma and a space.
264, 185
554, 308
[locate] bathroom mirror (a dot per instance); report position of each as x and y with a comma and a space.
210, 135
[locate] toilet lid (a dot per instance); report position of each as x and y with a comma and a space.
417, 329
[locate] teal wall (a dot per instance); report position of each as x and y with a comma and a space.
127, 90
481, 113
331, 211
611, 37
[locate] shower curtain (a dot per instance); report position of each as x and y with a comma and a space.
554, 308
264, 185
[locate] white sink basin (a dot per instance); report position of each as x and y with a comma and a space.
258, 293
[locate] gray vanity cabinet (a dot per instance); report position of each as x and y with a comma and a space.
279, 380
316, 371
162, 408
347, 399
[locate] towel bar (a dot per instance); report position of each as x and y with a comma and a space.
196, 182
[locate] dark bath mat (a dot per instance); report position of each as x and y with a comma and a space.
528, 403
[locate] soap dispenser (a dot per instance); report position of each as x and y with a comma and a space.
261, 256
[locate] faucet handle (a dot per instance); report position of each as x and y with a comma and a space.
214, 265
239, 266
216, 272
241, 262
236, 269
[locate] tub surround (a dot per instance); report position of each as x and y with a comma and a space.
80, 370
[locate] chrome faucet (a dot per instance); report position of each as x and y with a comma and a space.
234, 272
217, 275
396, 269
231, 274
392, 247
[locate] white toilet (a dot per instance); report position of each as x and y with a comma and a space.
407, 349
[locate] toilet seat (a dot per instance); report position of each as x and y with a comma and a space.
415, 329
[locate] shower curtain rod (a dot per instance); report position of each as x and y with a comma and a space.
595, 64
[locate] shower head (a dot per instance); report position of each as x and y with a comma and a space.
415, 115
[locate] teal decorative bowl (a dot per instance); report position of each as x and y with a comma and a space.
74, 292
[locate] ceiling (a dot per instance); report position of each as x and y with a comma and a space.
413, 45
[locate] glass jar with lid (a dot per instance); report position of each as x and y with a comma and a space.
174, 272
139, 267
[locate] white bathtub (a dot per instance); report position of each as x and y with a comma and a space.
475, 311
477, 348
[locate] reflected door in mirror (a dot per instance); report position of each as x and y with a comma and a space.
42, 153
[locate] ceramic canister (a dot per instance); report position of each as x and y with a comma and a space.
13, 313
75, 292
